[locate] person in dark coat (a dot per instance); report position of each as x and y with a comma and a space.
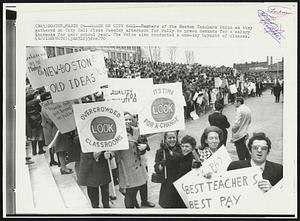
33, 123
186, 163
276, 91
94, 172
168, 195
219, 120
259, 146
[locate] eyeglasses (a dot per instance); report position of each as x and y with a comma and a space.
264, 148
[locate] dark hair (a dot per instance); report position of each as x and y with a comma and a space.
190, 140
218, 106
207, 131
240, 99
127, 113
259, 136
45, 96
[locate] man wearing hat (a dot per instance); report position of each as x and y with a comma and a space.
259, 146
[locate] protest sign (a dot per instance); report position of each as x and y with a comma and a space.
74, 75
61, 114
224, 193
218, 162
195, 96
233, 89
101, 126
130, 92
218, 82
163, 110
34, 55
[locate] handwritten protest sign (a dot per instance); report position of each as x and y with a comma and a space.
34, 55
130, 92
101, 126
217, 163
233, 89
61, 114
228, 192
74, 75
163, 110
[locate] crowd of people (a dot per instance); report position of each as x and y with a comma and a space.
174, 158
198, 82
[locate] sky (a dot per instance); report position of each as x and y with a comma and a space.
223, 56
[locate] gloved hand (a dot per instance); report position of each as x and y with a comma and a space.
107, 155
196, 164
142, 146
163, 163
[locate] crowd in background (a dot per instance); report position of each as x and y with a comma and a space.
197, 79
174, 158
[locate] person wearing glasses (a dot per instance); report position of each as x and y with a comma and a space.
259, 146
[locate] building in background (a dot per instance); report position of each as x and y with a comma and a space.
268, 66
124, 53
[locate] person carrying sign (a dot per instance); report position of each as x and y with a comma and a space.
132, 173
167, 159
259, 146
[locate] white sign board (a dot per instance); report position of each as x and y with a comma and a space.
130, 92
34, 55
217, 163
61, 114
101, 126
74, 75
226, 192
233, 89
163, 110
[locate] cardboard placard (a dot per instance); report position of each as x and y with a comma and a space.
61, 114
101, 126
74, 75
34, 55
163, 110
223, 193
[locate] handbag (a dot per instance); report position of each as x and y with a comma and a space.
160, 177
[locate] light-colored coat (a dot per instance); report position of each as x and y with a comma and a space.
242, 122
132, 172
49, 127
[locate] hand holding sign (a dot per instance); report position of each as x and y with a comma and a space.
142, 146
107, 155
264, 185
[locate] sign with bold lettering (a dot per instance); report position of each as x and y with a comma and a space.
163, 110
34, 55
101, 126
130, 92
217, 163
61, 114
233, 89
74, 75
225, 192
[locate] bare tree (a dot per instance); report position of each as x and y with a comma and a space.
189, 55
172, 54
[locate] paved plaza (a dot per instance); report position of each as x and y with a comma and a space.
267, 116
